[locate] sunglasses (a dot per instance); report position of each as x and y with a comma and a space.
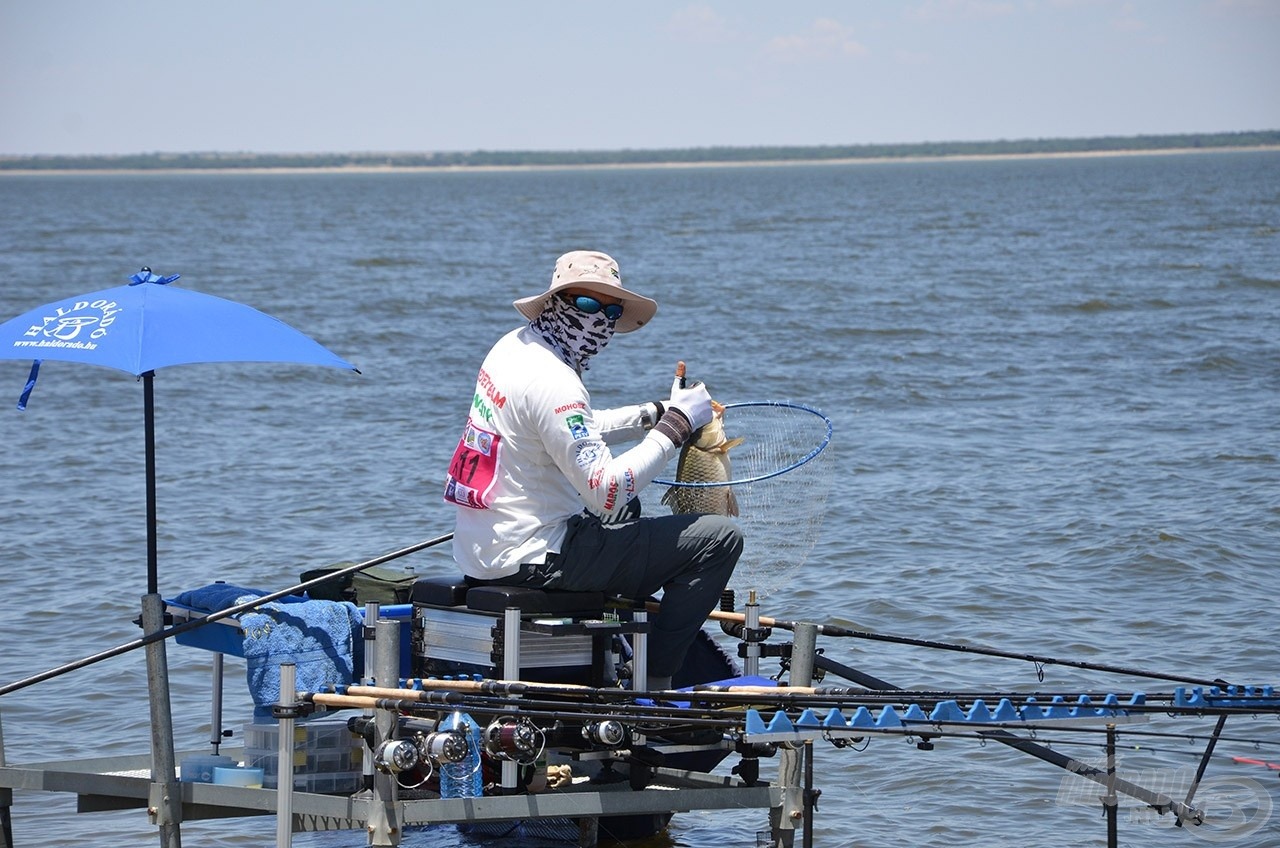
590, 306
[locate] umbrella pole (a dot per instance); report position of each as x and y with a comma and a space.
149, 416
165, 804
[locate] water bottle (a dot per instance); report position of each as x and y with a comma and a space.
464, 779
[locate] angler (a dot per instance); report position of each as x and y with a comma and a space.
542, 499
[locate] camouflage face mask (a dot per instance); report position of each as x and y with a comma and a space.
574, 334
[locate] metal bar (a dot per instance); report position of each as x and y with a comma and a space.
6, 801
370, 651
1204, 760
511, 671
384, 811
284, 752
640, 653
1160, 801
1110, 802
751, 662
215, 703
165, 807
852, 674
640, 660
803, 650
622, 801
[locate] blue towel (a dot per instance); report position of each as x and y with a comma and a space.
216, 597
319, 637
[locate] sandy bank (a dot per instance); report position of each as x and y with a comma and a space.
746, 163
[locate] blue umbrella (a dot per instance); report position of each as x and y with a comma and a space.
146, 325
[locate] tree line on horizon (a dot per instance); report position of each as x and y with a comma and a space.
693, 155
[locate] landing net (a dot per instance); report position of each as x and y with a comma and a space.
779, 476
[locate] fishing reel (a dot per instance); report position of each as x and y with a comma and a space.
395, 756
413, 760
514, 740
609, 733
443, 747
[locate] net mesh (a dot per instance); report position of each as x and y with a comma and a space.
780, 476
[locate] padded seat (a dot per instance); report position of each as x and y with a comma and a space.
457, 592
439, 591
543, 601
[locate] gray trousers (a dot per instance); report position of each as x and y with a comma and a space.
689, 557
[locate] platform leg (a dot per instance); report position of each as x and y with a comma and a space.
751, 662
6, 803
510, 671
1110, 802
795, 801
215, 703
165, 802
284, 755
640, 652
639, 661
370, 635
384, 818
783, 818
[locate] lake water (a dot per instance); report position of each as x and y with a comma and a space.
1054, 386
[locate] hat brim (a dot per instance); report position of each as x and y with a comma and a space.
637, 310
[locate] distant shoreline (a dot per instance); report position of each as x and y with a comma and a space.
725, 163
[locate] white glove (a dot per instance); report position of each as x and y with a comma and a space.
693, 402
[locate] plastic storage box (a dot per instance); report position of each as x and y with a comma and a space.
327, 758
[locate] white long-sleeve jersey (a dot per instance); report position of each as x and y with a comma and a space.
534, 453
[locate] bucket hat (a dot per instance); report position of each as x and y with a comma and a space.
590, 270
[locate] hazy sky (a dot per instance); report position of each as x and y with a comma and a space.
127, 76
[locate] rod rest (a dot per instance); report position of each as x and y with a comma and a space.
456, 592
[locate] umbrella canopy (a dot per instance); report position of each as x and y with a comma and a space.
149, 324
146, 325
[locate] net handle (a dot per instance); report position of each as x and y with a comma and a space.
826, 440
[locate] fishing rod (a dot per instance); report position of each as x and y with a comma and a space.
701, 694
1071, 699
195, 623
700, 697
1037, 659
498, 703
545, 711
518, 688
655, 716
447, 691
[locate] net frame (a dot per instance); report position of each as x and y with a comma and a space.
782, 404
781, 478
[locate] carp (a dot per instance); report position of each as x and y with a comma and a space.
705, 459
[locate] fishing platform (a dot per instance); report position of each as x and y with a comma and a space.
501, 710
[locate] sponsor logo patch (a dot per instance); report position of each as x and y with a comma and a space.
577, 426
588, 455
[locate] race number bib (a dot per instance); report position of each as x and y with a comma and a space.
474, 468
